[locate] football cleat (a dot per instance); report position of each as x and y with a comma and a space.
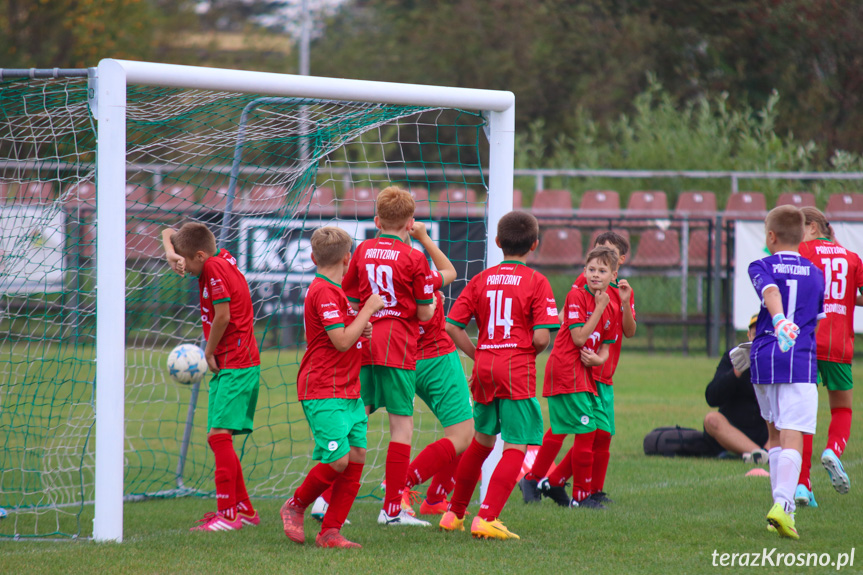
249, 518
770, 528
449, 522
333, 539
782, 521
438, 508
319, 508
587, 503
494, 529
217, 522
555, 493
601, 497
757, 457
409, 499
529, 490
403, 518
838, 477
3, 513
292, 519
804, 498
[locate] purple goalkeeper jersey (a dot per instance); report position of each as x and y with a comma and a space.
801, 286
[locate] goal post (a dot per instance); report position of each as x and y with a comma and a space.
108, 89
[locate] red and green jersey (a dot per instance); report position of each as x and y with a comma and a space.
400, 274
564, 372
605, 372
433, 340
325, 372
221, 281
843, 278
508, 301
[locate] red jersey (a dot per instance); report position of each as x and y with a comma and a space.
325, 372
564, 372
843, 278
221, 281
605, 372
508, 301
401, 275
433, 340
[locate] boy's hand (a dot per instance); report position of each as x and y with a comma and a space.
625, 290
375, 303
786, 332
177, 263
418, 231
211, 362
602, 298
590, 358
740, 357
367, 331
434, 303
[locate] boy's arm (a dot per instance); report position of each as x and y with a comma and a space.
595, 359
541, 339
344, 338
176, 261
581, 333
426, 311
441, 262
220, 323
628, 321
461, 339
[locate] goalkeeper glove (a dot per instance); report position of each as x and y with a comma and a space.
786, 332
740, 356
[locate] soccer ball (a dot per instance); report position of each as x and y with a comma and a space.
187, 364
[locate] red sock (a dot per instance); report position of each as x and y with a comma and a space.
226, 473
344, 492
582, 465
443, 481
398, 460
501, 484
243, 503
327, 494
563, 471
551, 444
434, 457
317, 481
806, 464
601, 455
467, 476
840, 429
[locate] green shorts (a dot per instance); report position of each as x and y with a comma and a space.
337, 424
388, 387
605, 413
233, 398
573, 412
519, 421
835, 376
441, 384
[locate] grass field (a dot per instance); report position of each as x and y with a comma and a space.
669, 516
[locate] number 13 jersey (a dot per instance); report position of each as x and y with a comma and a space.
843, 278
508, 301
400, 274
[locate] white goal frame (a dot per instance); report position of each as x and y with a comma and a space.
108, 103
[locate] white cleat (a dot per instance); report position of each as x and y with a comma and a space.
401, 519
319, 508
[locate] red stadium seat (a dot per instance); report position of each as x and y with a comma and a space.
215, 199
647, 204
552, 203
423, 205
698, 248
137, 197
316, 202
176, 199
358, 203
144, 239
745, 206
658, 248
35, 194
799, 199
559, 247
80, 197
262, 200
516, 200
455, 203
603, 204
845, 207
696, 205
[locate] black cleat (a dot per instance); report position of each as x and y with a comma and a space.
529, 490
602, 497
555, 493
587, 503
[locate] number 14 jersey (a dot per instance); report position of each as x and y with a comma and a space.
508, 301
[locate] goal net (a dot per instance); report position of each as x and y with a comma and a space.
263, 171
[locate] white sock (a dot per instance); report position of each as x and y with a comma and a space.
773, 460
788, 469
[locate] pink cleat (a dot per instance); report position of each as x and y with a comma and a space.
292, 518
218, 522
333, 539
249, 519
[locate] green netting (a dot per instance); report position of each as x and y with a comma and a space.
284, 166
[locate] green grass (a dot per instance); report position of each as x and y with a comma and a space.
669, 514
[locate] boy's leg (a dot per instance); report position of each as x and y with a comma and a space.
837, 379
222, 443
468, 472
397, 462
502, 481
582, 466
442, 484
602, 440
245, 511
601, 457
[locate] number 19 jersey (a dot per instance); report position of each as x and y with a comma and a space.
508, 301
401, 275
843, 278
